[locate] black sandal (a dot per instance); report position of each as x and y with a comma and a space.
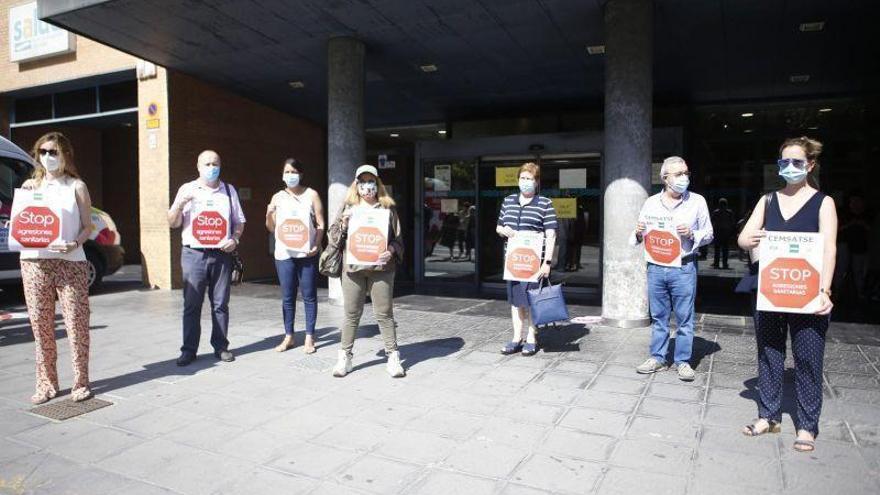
752, 430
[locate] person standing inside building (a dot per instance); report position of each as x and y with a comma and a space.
297, 268
206, 268
674, 289
798, 207
723, 224
59, 270
526, 211
368, 193
854, 235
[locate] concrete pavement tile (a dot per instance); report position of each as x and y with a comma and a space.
262, 481
350, 435
574, 444
617, 385
509, 432
677, 392
482, 457
11, 450
579, 367
514, 489
747, 471
511, 374
595, 421
259, 446
524, 410
828, 453
736, 382
558, 474
55, 432
94, 481
653, 456
844, 478
17, 421
728, 417
39, 471
556, 388
205, 404
665, 408
416, 447
619, 481
666, 429
205, 434
740, 398
608, 400
730, 438
389, 414
334, 488
622, 371
452, 424
376, 475
868, 435
312, 460
671, 377
94, 445
445, 483
158, 421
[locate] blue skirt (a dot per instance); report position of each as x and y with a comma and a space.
516, 293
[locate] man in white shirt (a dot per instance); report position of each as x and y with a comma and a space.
672, 289
212, 219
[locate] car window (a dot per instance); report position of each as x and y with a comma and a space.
12, 174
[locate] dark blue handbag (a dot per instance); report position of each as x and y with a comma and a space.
546, 303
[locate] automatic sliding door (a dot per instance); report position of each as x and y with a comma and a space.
449, 220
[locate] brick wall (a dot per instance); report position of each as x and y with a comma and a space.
253, 140
90, 58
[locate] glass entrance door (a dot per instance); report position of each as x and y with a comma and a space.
573, 182
449, 221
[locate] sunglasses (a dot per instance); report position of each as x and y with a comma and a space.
44, 151
797, 162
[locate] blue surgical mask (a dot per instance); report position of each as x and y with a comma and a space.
527, 186
291, 179
210, 174
680, 184
793, 174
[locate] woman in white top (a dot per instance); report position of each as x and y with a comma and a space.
296, 217
59, 269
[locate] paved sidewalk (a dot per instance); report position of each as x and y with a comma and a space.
575, 418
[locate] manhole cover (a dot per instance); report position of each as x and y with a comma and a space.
67, 408
314, 364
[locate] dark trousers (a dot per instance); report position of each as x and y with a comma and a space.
302, 274
210, 270
722, 251
808, 349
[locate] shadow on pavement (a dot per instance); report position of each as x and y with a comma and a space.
169, 367
562, 338
416, 352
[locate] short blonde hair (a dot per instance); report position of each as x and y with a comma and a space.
532, 168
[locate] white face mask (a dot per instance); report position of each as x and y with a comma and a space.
367, 189
291, 179
527, 186
51, 163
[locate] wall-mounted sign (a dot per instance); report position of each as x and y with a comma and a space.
30, 38
575, 178
506, 176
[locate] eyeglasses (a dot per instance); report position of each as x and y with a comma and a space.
44, 151
680, 174
797, 162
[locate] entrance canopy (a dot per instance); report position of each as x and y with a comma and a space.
452, 59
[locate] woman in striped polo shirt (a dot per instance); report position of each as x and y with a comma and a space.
526, 211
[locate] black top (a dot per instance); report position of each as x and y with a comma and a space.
805, 220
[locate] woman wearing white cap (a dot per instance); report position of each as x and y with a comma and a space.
365, 193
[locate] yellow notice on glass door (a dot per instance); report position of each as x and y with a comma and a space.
565, 207
506, 176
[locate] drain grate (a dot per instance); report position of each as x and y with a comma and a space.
67, 408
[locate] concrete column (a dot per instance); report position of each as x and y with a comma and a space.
346, 142
626, 168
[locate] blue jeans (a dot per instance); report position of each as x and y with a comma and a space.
299, 273
205, 270
672, 290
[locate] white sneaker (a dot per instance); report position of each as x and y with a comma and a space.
686, 373
393, 367
650, 366
343, 364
